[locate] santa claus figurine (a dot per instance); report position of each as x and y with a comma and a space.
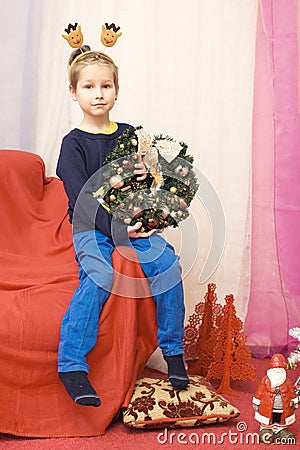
274, 403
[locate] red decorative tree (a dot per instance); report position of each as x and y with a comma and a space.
231, 357
206, 334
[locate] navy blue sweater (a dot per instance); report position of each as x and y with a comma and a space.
81, 156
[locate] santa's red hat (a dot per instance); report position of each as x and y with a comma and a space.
278, 361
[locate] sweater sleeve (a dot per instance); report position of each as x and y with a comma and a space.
84, 211
71, 169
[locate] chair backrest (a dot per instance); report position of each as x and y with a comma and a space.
34, 217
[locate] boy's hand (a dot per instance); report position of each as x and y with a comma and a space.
136, 231
140, 169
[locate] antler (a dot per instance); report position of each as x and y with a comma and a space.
71, 28
112, 26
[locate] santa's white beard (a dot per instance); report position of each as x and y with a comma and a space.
277, 376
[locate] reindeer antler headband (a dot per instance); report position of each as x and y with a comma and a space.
74, 37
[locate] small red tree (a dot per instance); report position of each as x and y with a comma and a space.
231, 357
206, 334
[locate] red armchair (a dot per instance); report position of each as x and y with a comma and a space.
38, 278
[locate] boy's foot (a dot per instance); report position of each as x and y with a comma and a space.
176, 371
79, 388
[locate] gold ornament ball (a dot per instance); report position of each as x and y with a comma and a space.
112, 197
122, 146
137, 211
116, 181
153, 222
127, 164
182, 204
166, 212
134, 142
181, 170
173, 190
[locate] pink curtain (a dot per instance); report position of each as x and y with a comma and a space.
274, 304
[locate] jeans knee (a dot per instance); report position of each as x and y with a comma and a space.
96, 277
168, 264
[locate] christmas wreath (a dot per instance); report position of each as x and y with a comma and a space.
159, 200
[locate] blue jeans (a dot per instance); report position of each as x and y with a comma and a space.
80, 323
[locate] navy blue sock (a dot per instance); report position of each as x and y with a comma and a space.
176, 371
79, 388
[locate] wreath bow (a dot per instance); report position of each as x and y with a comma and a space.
149, 148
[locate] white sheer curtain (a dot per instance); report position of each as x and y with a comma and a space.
20, 34
186, 69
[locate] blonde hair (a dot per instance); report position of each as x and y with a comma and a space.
82, 57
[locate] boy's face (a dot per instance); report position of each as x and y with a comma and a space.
95, 91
